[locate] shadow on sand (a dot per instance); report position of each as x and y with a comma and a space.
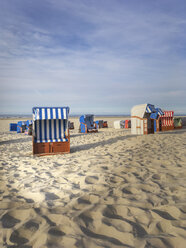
100, 143
14, 141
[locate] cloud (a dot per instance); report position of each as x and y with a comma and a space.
97, 55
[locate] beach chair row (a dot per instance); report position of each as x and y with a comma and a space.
22, 127
50, 126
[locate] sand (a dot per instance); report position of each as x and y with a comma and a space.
113, 190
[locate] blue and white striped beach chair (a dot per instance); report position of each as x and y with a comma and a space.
50, 130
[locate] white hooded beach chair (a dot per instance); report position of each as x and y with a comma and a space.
50, 130
141, 121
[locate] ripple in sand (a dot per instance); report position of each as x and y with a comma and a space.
163, 214
103, 237
138, 230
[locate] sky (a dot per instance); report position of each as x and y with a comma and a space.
95, 56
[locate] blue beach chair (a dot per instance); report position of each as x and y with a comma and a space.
28, 127
13, 126
21, 126
87, 124
50, 130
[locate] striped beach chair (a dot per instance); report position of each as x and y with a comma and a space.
166, 120
50, 130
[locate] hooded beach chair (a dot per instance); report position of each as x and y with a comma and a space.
28, 127
87, 124
105, 124
119, 124
177, 122
101, 123
50, 130
13, 126
21, 126
127, 123
144, 119
71, 125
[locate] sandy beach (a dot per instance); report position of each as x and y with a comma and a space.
113, 190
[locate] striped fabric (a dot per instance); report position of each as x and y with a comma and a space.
150, 108
160, 112
28, 122
50, 113
50, 124
167, 118
168, 114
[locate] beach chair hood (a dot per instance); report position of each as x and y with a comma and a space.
48, 113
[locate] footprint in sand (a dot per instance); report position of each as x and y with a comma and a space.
24, 233
81, 200
9, 221
54, 237
51, 196
91, 179
156, 177
16, 238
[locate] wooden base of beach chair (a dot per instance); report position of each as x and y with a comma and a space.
167, 128
51, 148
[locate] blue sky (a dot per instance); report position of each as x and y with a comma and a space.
95, 56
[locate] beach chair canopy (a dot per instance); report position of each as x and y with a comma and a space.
88, 120
167, 114
49, 113
50, 124
159, 111
28, 123
142, 109
21, 126
156, 115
